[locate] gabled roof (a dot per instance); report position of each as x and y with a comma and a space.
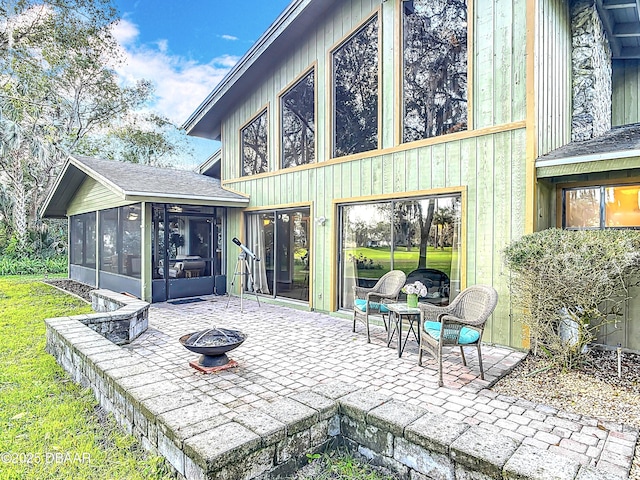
137, 183
619, 142
292, 24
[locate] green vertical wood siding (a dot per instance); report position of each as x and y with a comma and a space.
498, 47
92, 196
553, 75
491, 167
625, 105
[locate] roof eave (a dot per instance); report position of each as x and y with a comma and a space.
594, 157
206, 123
145, 196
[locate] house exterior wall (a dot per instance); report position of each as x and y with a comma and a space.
487, 163
626, 92
93, 196
553, 75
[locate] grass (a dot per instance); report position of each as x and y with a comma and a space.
51, 428
440, 259
340, 465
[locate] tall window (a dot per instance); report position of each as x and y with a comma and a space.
355, 92
434, 90
83, 240
298, 123
420, 236
255, 156
601, 207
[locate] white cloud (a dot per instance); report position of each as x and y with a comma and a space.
180, 84
229, 37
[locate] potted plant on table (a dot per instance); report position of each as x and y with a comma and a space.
413, 291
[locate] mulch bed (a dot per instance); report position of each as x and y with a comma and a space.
80, 289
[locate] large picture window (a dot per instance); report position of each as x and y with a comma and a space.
298, 123
434, 92
255, 156
420, 236
600, 207
83, 240
355, 92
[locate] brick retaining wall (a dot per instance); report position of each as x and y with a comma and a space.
202, 439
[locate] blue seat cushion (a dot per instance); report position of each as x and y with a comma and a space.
361, 304
467, 335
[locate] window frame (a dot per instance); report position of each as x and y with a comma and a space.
331, 110
311, 70
394, 198
399, 81
124, 249
86, 221
262, 111
601, 186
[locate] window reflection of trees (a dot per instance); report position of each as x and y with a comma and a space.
254, 146
435, 68
355, 84
298, 123
399, 234
583, 208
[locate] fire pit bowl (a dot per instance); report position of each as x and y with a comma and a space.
213, 344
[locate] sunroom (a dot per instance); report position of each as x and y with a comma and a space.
154, 233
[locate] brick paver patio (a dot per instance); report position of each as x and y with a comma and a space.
290, 351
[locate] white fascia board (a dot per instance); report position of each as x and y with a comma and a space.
199, 198
596, 157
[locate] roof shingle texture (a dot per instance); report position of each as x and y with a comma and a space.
618, 139
146, 180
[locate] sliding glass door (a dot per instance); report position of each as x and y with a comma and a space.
419, 236
280, 240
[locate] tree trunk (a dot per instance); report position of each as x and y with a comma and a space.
425, 227
19, 210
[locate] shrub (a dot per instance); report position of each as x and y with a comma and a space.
569, 283
32, 266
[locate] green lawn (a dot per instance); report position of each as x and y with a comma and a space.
51, 428
440, 259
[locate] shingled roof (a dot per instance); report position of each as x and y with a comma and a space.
619, 142
137, 183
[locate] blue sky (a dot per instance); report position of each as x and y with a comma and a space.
186, 48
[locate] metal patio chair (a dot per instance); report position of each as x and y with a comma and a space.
460, 324
371, 301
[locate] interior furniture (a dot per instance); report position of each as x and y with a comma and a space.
185, 266
397, 313
436, 281
459, 324
371, 301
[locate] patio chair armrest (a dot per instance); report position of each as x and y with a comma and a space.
448, 318
361, 292
392, 296
433, 312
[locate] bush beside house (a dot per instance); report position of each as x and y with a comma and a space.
569, 284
